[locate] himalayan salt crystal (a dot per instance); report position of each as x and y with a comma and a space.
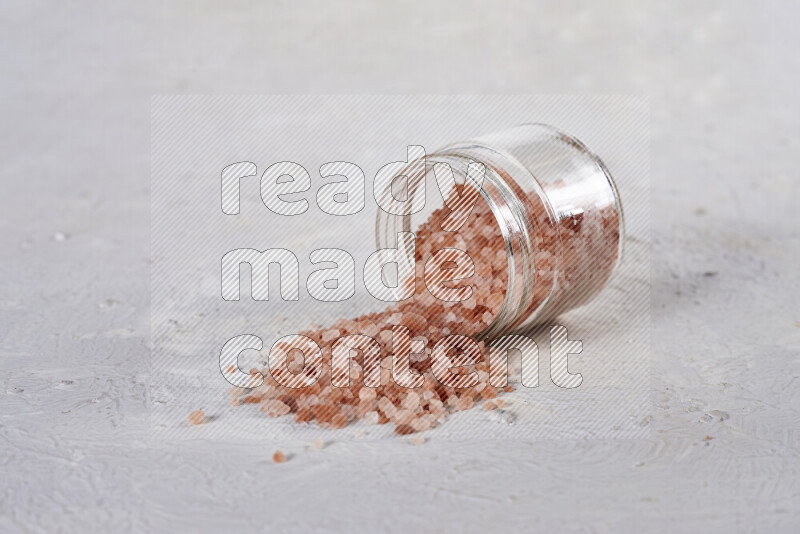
371, 418
494, 301
278, 457
423, 422
370, 329
450, 317
403, 417
330, 335
303, 415
487, 317
418, 356
339, 420
386, 375
404, 429
318, 444
363, 407
275, 408
426, 300
411, 402
367, 394
417, 440
197, 417
489, 406
464, 403
386, 406
488, 393
414, 321
500, 403
436, 405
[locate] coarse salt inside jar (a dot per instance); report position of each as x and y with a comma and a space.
557, 212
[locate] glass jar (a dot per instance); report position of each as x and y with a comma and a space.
557, 209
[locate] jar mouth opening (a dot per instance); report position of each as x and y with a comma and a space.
509, 216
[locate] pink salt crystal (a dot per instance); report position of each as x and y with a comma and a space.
418, 356
411, 402
370, 329
330, 335
427, 300
464, 403
403, 429
450, 317
500, 403
318, 444
489, 405
494, 301
414, 321
278, 457
487, 317
197, 417
386, 406
417, 440
367, 394
371, 418
423, 422
275, 408
339, 420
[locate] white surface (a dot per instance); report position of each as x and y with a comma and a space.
76, 84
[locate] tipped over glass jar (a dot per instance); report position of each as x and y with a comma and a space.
555, 233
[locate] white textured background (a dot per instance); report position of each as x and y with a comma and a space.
76, 79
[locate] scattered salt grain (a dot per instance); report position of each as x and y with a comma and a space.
198, 417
